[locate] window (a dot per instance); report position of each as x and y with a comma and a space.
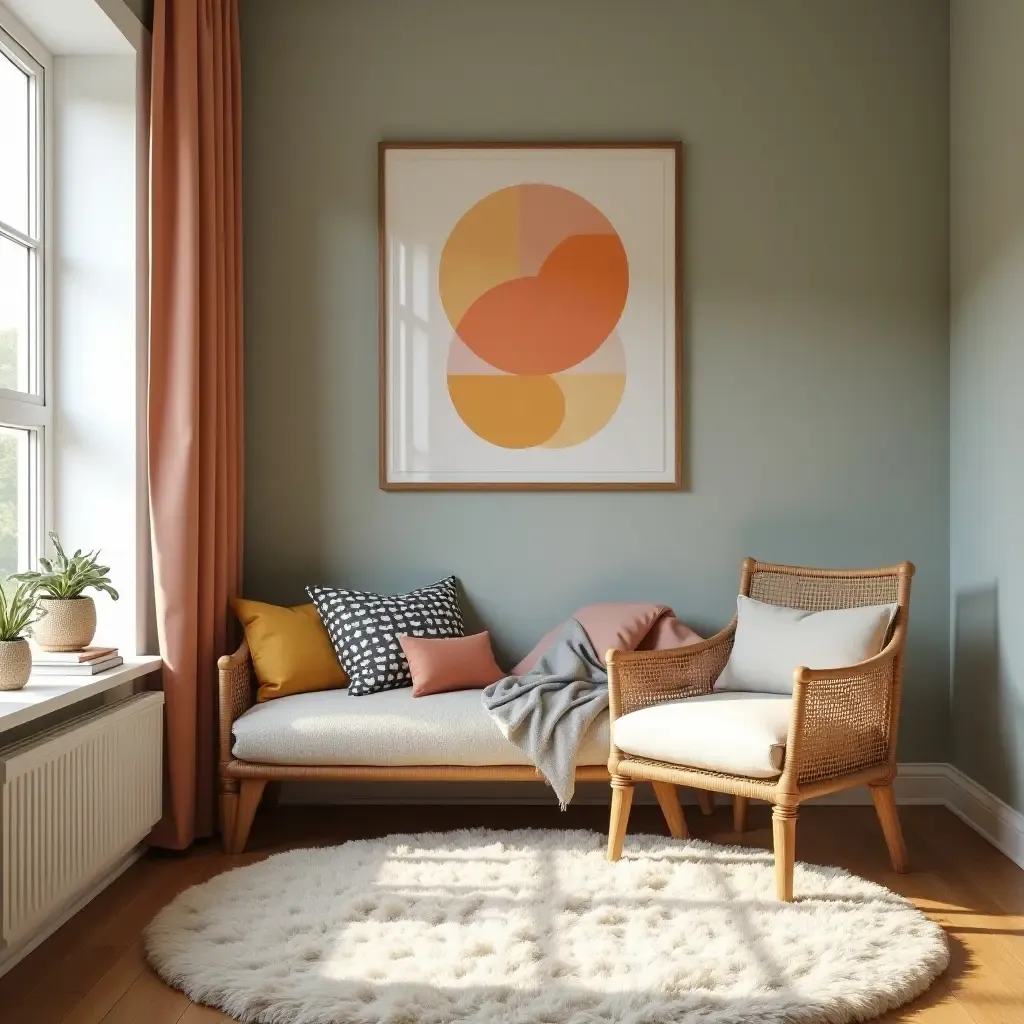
25, 415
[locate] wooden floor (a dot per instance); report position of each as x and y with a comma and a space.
92, 970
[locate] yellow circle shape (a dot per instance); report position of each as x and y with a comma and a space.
510, 411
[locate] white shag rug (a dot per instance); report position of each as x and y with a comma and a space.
536, 927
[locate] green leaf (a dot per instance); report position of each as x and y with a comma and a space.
65, 578
17, 609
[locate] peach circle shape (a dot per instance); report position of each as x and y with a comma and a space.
591, 400
592, 391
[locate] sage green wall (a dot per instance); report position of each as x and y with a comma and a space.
987, 528
816, 281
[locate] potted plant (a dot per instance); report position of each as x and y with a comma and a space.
17, 613
69, 620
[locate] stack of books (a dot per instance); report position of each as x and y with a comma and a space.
86, 662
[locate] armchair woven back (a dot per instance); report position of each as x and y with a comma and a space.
817, 590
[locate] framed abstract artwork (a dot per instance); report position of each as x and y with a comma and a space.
530, 316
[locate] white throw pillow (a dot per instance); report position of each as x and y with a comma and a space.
772, 641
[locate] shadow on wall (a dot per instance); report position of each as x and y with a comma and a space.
984, 704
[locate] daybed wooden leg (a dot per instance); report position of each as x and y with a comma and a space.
784, 834
248, 800
622, 800
885, 807
668, 801
272, 794
706, 801
228, 810
739, 814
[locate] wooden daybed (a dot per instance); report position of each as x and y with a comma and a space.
242, 781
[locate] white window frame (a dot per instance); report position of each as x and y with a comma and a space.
33, 410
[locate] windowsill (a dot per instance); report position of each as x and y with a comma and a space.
45, 694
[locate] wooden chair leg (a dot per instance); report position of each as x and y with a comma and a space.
885, 807
668, 801
706, 801
739, 814
249, 795
622, 800
784, 835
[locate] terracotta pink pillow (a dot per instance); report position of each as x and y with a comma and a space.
450, 663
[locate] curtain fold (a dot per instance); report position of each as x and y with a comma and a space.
195, 385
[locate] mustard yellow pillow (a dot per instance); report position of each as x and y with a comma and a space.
291, 651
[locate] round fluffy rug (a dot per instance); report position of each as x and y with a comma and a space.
536, 927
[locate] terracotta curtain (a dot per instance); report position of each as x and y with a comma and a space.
195, 385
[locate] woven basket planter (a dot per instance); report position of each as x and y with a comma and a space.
15, 664
68, 625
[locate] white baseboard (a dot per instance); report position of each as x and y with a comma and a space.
14, 955
989, 816
935, 783
922, 782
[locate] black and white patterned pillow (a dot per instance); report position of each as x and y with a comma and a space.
364, 629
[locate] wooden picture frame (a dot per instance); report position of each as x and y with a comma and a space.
485, 234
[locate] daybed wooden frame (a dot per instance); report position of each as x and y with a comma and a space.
242, 782
843, 724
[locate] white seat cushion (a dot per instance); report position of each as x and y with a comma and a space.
386, 729
733, 733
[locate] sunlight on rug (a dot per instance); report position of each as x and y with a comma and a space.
535, 927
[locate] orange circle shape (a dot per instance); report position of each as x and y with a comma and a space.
549, 323
533, 278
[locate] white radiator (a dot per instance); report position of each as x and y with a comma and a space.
74, 801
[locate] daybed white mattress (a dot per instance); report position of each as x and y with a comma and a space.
386, 729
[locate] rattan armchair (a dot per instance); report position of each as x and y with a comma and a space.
843, 721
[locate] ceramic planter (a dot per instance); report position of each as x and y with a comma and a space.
68, 625
15, 664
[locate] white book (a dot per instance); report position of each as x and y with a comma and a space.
40, 657
85, 668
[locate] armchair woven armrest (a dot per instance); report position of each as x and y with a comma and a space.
641, 679
235, 694
844, 719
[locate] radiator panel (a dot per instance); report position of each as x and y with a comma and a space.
74, 801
